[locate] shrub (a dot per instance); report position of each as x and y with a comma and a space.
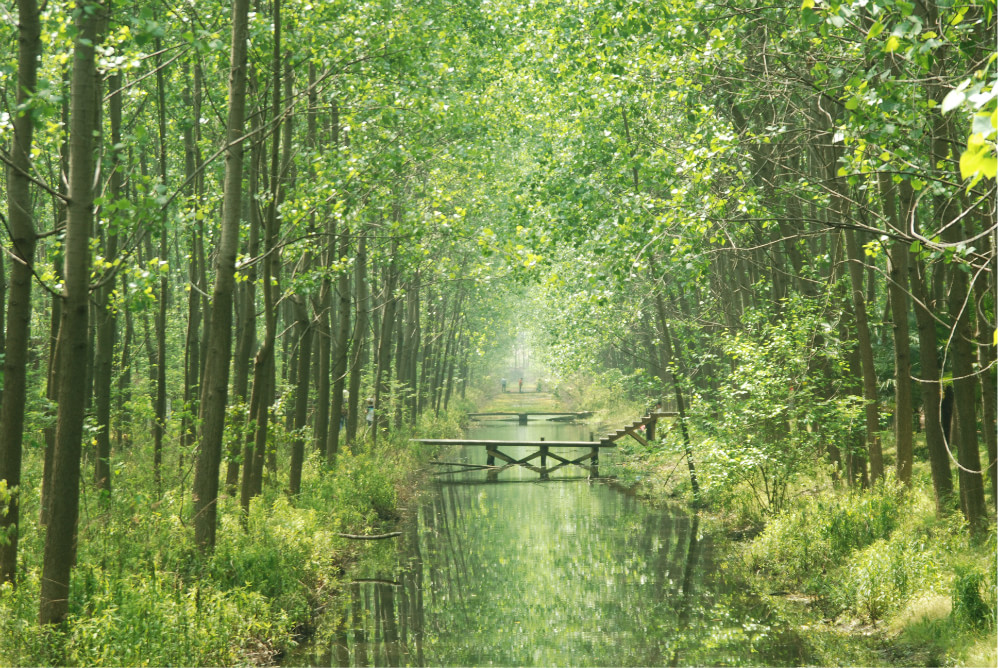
800, 545
880, 579
969, 606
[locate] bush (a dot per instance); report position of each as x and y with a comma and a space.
880, 579
803, 543
969, 606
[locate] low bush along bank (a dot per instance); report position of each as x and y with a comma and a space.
142, 594
876, 561
883, 558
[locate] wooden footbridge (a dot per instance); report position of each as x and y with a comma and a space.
642, 430
523, 417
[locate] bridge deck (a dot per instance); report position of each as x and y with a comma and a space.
497, 444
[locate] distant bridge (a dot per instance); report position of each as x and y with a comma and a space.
641, 430
523, 417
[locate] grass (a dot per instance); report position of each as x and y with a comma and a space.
142, 594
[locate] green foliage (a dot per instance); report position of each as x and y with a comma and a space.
142, 593
802, 545
777, 409
970, 588
880, 578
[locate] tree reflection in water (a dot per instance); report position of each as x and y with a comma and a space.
563, 572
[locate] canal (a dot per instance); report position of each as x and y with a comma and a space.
564, 571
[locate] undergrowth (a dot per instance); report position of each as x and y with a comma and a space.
141, 593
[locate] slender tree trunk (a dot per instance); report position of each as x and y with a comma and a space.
360, 336
964, 390
898, 289
60, 539
304, 327
246, 326
417, 335
106, 317
381, 383
195, 275
986, 357
159, 426
872, 408
931, 388
23, 240
340, 354
215, 386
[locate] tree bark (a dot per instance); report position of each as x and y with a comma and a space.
159, 423
340, 353
23, 241
303, 325
60, 539
898, 290
360, 336
215, 386
872, 407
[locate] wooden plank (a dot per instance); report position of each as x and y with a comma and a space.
495, 444
549, 414
528, 458
638, 438
495, 453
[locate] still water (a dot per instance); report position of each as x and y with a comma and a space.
564, 571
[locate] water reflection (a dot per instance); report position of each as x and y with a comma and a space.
549, 573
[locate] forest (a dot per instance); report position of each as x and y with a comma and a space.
229, 229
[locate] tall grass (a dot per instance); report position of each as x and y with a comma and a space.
883, 556
143, 595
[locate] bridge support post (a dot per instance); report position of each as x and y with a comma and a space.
650, 429
544, 456
523, 418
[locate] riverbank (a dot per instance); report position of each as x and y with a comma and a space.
867, 577
143, 595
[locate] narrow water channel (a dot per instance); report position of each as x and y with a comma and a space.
515, 570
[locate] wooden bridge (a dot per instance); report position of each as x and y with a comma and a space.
523, 417
641, 430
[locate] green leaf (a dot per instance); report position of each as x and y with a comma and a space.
892, 44
953, 100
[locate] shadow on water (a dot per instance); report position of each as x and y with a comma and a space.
550, 572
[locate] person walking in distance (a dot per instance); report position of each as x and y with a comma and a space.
521, 385
503, 384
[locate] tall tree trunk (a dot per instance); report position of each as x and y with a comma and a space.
865, 341
303, 327
340, 353
986, 357
897, 287
159, 425
265, 361
195, 274
385, 339
360, 336
246, 325
215, 386
106, 317
60, 539
931, 387
964, 390
23, 239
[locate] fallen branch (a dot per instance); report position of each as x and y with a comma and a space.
378, 537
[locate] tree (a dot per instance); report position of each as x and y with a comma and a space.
215, 388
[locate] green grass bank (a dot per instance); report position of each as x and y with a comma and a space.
868, 577
142, 594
